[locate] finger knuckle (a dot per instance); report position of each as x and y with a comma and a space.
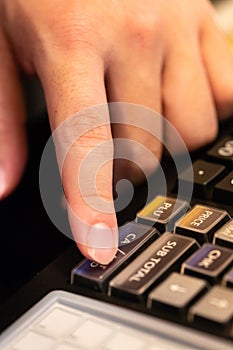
69, 29
143, 26
71, 35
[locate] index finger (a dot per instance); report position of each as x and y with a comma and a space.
73, 84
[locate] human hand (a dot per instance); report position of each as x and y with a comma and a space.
166, 55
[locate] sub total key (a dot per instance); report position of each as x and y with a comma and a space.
165, 255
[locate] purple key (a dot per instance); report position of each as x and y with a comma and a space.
133, 238
209, 262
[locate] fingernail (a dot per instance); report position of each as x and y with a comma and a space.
102, 256
2, 182
102, 243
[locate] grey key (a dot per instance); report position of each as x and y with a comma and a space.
175, 295
149, 268
214, 311
224, 236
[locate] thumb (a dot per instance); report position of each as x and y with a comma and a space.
84, 149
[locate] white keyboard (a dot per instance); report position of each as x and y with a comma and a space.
65, 321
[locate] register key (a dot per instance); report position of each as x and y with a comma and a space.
201, 222
133, 238
209, 262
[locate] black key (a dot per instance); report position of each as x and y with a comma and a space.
132, 239
201, 222
223, 191
149, 268
175, 295
224, 236
162, 213
205, 175
209, 262
222, 152
228, 279
214, 311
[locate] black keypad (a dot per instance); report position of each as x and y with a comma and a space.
176, 260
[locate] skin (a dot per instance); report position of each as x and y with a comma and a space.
90, 52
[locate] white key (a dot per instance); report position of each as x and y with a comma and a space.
34, 341
91, 334
125, 342
59, 323
66, 347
